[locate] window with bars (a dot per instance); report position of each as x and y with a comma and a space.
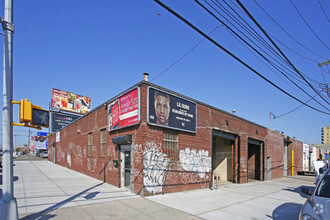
103, 143
90, 143
170, 144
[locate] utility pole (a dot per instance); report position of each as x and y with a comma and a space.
324, 63
326, 85
8, 203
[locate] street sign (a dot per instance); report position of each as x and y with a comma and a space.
39, 133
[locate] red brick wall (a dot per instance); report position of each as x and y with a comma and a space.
173, 175
275, 149
297, 148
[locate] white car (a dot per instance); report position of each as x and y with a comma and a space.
317, 205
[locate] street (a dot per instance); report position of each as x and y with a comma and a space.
45, 190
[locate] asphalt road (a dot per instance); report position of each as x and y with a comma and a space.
28, 157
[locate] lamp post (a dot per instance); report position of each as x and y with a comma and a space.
8, 203
270, 117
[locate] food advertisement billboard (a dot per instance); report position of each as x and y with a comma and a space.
168, 110
124, 111
70, 102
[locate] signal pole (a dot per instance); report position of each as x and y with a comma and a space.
8, 203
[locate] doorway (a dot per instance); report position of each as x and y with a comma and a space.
125, 178
54, 154
254, 162
223, 156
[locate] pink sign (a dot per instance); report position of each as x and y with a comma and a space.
124, 111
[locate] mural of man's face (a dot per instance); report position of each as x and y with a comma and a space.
162, 107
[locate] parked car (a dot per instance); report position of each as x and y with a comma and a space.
44, 154
317, 205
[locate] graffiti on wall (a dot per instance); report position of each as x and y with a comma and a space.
193, 161
154, 168
91, 164
78, 156
68, 159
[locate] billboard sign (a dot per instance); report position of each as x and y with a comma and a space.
70, 102
60, 120
168, 110
124, 111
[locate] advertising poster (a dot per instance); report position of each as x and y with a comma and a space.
124, 111
60, 120
171, 111
71, 102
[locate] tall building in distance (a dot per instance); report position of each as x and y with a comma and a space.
325, 135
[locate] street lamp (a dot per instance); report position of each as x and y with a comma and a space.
270, 116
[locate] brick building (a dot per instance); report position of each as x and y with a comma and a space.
126, 142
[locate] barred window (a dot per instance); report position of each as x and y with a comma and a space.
170, 144
90, 143
103, 141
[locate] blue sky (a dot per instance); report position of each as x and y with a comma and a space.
100, 48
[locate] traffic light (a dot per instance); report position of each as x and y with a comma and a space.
25, 111
32, 115
40, 117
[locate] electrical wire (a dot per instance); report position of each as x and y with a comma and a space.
161, 73
323, 10
307, 58
308, 25
263, 61
294, 68
232, 55
253, 48
246, 27
302, 45
294, 108
258, 37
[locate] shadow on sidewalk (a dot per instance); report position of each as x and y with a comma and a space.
289, 211
44, 213
286, 211
298, 190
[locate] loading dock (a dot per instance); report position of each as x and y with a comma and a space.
223, 156
255, 160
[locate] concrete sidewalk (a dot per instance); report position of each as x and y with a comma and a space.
48, 191
276, 199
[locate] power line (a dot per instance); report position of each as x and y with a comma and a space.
248, 29
232, 55
302, 45
307, 58
258, 38
295, 108
294, 68
266, 64
308, 25
276, 67
323, 10
183, 55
